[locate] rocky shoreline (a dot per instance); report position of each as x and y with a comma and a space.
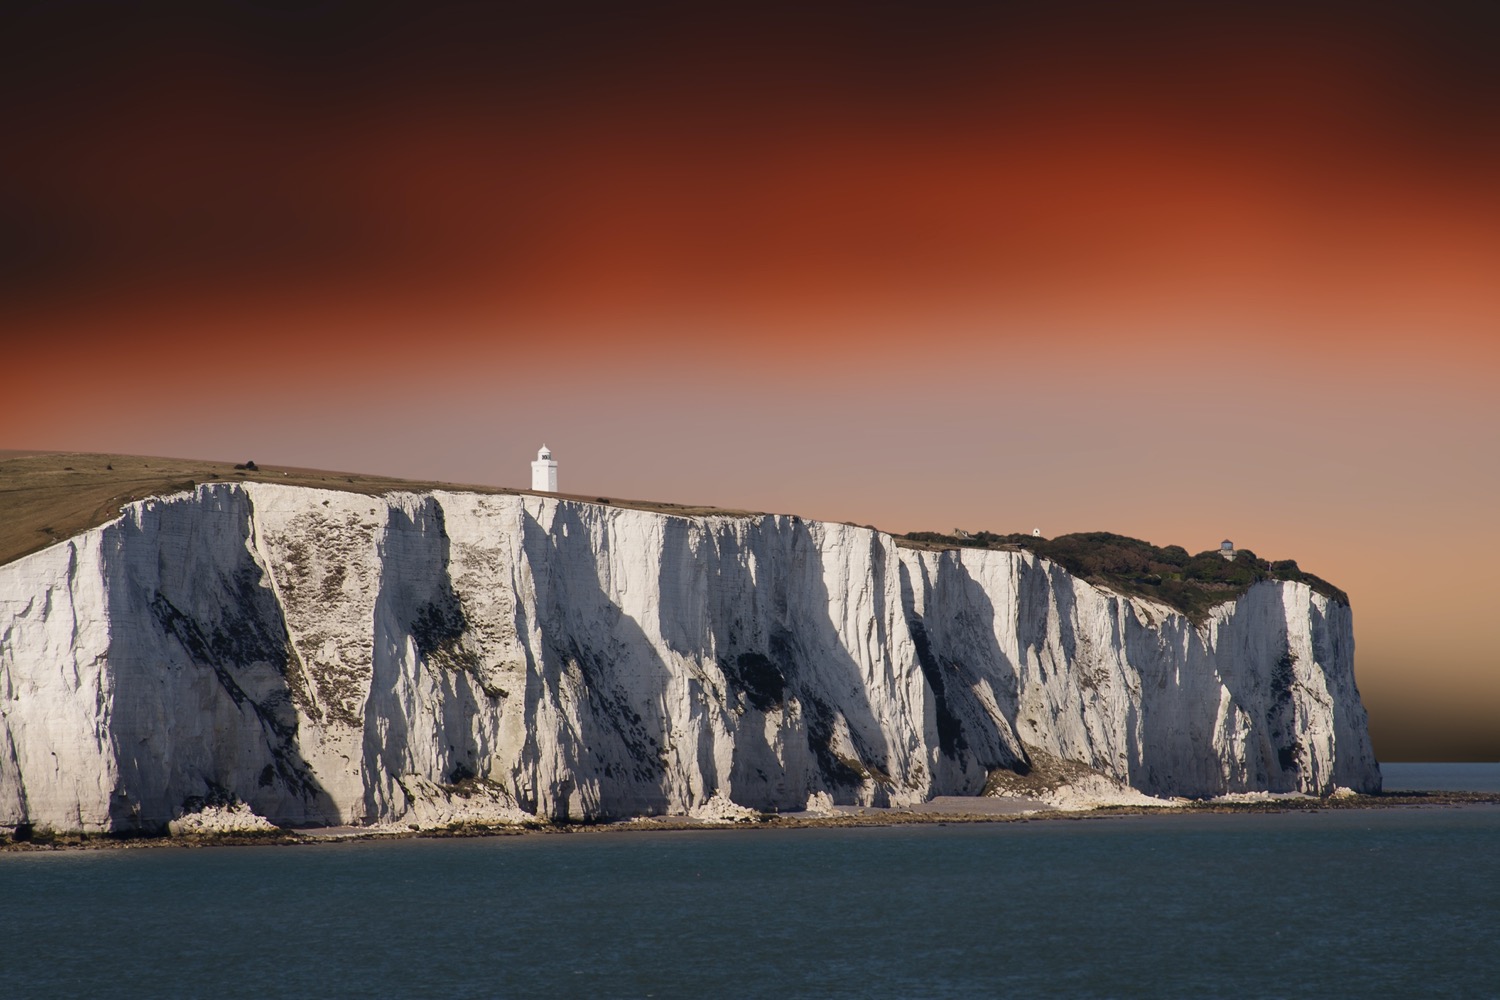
847, 818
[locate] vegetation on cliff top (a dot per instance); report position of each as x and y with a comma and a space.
1191, 584
47, 497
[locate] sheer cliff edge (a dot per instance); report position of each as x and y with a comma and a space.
425, 658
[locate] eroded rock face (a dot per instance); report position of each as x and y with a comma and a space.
334, 658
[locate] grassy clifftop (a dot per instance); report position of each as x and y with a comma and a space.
46, 497
1190, 583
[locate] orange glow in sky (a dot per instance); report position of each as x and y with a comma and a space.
1174, 274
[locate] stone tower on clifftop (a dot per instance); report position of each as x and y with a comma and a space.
544, 472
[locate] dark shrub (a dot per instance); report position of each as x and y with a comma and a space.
1191, 584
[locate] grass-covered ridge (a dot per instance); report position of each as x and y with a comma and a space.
46, 497
1190, 583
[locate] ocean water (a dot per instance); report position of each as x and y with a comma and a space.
1461, 777
1392, 902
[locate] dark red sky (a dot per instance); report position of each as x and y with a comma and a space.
1174, 271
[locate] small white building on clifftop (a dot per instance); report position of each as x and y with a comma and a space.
544, 472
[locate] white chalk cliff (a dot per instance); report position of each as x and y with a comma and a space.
331, 658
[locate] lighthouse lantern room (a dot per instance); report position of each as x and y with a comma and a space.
544, 472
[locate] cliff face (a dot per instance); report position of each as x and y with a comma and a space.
335, 658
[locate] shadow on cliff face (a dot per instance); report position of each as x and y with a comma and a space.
708, 603
1170, 733
598, 661
973, 682
423, 710
834, 689
1184, 743
1260, 674
693, 617
1267, 677
200, 707
783, 661
1351, 722
1041, 586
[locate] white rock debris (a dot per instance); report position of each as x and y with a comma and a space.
418, 659
219, 819
1096, 791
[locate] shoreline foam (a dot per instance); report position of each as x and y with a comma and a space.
937, 813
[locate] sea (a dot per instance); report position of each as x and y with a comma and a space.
1379, 902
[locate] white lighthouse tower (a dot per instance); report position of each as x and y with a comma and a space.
544, 472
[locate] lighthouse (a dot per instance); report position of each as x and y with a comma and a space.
544, 472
